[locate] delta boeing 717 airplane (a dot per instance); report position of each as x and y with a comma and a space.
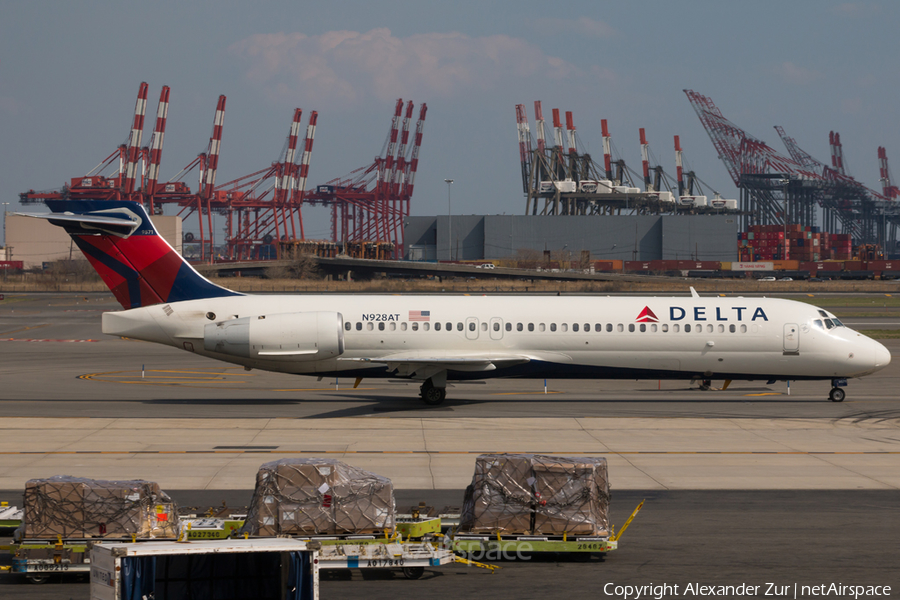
436, 339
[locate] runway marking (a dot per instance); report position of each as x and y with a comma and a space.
328, 389
41, 340
21, 329
466, 452
523, 393
766, 394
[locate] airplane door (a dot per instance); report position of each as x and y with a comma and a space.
496, 328
791, 338
472, 328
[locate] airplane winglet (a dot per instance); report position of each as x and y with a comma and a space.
694, 293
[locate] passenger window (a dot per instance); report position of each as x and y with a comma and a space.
620, 328
542, 327
732, 328
575, 327
459, 326
437, 326
392, 326
359, 326
564, 327
587, 328
402, 326
519, 327
665, 328
449, 326
653, 328
687, 327
496, 326
509, 326
426, 326
675, 327
552, 326
631, 327
643, 328
472, 326
347, 326
415, 326
743, 329
709, 328
609, 327
381, 326
531, 327
721, 328
699, 328
370, 326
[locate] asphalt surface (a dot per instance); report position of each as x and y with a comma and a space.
710, 537
680, 537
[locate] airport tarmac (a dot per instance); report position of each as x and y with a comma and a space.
76, 402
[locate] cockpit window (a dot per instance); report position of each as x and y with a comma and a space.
823, 314
837, 323
818, 323
829, 324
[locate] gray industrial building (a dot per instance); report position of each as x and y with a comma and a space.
650, 237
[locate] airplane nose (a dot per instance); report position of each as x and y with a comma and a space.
882, 356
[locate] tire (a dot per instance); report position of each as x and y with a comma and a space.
837, 395
433, 396
38, 579
413, 572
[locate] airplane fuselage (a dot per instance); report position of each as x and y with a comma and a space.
528, 336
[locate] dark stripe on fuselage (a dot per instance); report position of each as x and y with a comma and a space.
538, 369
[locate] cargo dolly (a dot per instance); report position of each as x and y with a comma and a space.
499, 546
409, 547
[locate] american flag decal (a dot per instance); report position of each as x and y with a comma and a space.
420, 315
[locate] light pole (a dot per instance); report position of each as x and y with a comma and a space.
449, 183
5, 243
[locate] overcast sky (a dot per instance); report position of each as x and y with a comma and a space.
69, 74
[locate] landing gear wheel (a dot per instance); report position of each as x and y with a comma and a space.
413, 572
432, 396
836, 394
706, 384
38, 579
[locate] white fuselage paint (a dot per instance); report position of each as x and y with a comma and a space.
741, 338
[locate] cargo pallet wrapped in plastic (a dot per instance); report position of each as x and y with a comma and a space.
529, 494
76, 507
317, 496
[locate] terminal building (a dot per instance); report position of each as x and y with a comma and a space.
640, 237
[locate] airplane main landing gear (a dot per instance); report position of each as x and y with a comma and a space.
431, 394
837, 394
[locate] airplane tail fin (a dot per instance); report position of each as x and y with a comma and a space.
136, 263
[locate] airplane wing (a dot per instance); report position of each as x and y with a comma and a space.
421, 366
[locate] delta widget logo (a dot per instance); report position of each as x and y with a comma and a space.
647, 316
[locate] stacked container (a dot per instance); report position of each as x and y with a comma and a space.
793, 242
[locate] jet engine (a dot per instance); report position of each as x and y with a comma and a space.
304, 336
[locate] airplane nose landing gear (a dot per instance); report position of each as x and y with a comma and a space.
837, 394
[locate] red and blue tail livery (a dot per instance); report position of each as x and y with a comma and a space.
135, 262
